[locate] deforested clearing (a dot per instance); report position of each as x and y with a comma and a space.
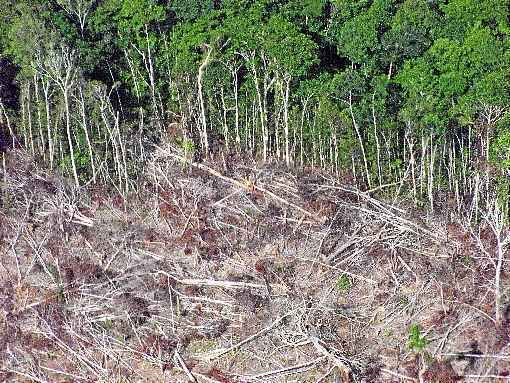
247, 273
254, 191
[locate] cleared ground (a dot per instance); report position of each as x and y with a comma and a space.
229, 271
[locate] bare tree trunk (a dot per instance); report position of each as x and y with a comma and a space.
356, 127
499, 268
4, 114
495, 219
69, 137
62, 71
236, 99
301, 128
286, 119
268, 83
133, 73
423, 158
85, 129
122, 150
335, 143
430, 179
41, 144
412, 160
278, 105
378, 147
262, 87
24, 119
29, 118
51, 144
152, 78
112, 138
265, 134
79, 9
224, 120
201, 70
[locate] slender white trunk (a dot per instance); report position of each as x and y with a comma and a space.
85, 129
203, 130
224, 120
286, 119
301, 128
236, 100
4, 114
51, 148
65, 92
362, 146
265, 135
23, 119
41, 144
29, 117
152, 76
376, 136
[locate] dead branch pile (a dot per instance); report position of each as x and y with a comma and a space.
228, 271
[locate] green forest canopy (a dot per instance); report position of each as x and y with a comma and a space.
415, 92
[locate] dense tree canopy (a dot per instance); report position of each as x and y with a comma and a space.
412, 92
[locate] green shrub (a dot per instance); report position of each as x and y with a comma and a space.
417, 341
343, 283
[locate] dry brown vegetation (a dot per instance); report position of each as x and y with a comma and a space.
233, 272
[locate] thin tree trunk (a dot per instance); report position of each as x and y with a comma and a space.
412, 160
378, 147
51, 145
301, 128
201, 70
85, 129
4, 113
236, 100
265, 135
41, 144
69, 136
151, 73
29, 118
24, 119
224, 120
286, 119
356, 127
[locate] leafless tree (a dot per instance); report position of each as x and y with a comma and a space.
79, 9
59, 65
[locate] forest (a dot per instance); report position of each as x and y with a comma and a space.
390, 94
